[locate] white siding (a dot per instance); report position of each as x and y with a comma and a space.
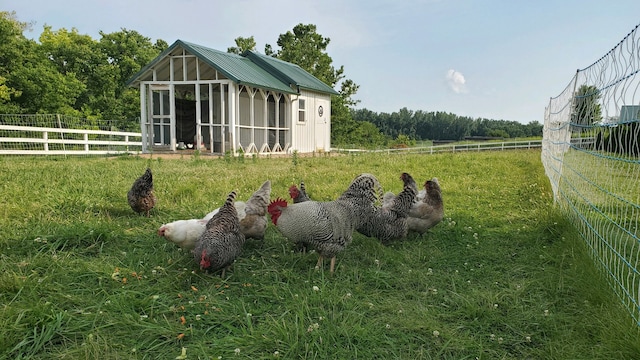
314, 134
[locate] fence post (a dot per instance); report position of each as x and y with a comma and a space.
45, 137
86, 142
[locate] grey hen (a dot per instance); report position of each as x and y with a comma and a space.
254, 223
222, 241
326, 226
141, 197
389, 222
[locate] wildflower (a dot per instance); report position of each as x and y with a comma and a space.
495, 306
500, 340
198, 317
194, 288
429, 271
312, 327
315, 288
180, 336
377, 262
237, 351
348, 295
183, 354
436, 333
183, 320
155, 297
546, 313
388, 326
142, 317
276, 353
528, 338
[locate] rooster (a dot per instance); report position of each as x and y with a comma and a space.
252, 215
389, 222
222, 240
326, 226
141, 197
428, 211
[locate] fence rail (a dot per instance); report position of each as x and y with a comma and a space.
476, 146
35, 140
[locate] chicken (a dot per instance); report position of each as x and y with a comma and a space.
389, 222
298, 195
253, 223
141, 197
326, 226
221, 243
252, 215
183, 233
428, 211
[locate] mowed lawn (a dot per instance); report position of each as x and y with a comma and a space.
502, 277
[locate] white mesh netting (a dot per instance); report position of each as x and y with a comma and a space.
591, 154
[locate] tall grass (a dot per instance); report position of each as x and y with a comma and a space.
502, 277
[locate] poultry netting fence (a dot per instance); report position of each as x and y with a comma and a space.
591, 154
46, 134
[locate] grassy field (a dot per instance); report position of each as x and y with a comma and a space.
502, 277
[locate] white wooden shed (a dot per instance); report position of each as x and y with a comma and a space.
195, 97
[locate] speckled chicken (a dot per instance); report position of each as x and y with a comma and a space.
428, 210
326, 226
254, 222
222, 241
298, 195
141, 197
390, 221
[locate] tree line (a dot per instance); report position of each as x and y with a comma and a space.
69, 73
437, 125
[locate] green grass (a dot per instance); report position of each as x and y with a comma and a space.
502, 277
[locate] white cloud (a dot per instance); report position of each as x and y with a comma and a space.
456, 81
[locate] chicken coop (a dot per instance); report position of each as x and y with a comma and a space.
194, 97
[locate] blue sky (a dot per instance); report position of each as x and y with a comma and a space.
496, 59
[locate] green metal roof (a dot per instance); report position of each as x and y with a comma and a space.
250, 69
293, 74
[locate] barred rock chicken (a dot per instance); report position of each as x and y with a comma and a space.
253, 223
252, 215
428, 211
298, 195
327, 226
222, 240
389, 222
141, 197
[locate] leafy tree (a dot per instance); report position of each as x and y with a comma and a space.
126, 52
242, 45
12, 45
306, 48
586, 106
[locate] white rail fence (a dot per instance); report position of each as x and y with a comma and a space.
597, 183
52, 141
476, 146
60, 135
